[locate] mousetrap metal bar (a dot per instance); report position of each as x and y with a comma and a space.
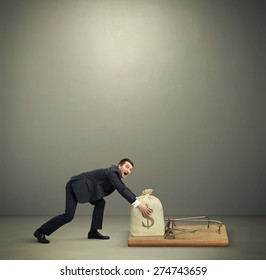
204, 222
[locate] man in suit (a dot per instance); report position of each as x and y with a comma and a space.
92, 187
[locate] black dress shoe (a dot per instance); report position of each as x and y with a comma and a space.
96, 235
40, 236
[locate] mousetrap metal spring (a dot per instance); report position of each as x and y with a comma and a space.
203, 222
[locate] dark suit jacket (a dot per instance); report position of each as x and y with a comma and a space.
94, 185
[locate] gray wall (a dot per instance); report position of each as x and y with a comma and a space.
178, 86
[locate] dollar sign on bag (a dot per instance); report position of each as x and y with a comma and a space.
150, 222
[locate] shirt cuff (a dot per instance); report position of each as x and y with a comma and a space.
136, 203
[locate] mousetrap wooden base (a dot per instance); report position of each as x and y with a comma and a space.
202, 238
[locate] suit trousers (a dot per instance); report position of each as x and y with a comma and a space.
70, 209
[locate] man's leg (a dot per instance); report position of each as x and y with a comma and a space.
58, 221
97, 220
97, 215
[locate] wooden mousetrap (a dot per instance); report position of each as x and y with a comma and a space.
198, 231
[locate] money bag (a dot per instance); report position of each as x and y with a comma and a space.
151, 225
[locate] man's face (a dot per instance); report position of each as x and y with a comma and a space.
125, 169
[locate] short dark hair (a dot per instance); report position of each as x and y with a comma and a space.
123, 160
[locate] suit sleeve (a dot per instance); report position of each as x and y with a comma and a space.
121, 187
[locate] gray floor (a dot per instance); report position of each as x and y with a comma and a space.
246, 237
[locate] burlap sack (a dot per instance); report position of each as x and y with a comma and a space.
153, 224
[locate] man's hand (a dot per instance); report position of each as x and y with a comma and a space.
145, 210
